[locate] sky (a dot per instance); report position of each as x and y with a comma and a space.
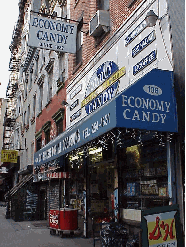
8, 19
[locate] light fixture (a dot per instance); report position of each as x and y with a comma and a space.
151, 18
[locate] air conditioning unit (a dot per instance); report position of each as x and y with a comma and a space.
99, 23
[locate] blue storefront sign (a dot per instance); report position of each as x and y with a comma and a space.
102, 98
145, 62
148, 104
143, 44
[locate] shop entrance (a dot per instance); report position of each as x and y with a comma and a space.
43, 205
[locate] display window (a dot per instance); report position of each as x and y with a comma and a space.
144, 179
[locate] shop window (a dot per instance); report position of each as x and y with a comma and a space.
108, 151
144, 176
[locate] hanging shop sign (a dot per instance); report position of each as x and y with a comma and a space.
52, 34
145, 62
143, 44
161, 227
9, 156
147, 104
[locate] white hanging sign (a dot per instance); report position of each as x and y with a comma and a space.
52, 34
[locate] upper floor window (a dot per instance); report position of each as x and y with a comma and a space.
30, 79
58, 118
28, 115
38, 140
38, 143
46, 129
61, 60
26, 87
40, 97
34, 106
79, 43
18, 106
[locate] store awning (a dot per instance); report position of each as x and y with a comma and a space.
147, 104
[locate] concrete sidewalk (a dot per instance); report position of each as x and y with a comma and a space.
35, 234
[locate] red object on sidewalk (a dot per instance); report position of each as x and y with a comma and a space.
68, 219
54, 219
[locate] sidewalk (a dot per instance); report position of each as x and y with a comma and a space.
35, 234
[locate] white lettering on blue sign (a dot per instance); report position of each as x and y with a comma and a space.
144, 62
75, 115
71, 140
143, 44
146, 104
102, 73
102, 98
152, 90
74, 104
104, 121
135, 32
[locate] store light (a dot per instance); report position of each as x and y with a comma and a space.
95, 150
151, 18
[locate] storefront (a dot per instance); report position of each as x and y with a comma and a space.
121, 159
121, 116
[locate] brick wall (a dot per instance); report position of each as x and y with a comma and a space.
119, 12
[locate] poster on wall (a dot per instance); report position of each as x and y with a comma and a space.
161, 227
52, 34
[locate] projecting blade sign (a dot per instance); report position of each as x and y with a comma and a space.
52, 34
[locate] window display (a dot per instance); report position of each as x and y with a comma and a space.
144, 178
